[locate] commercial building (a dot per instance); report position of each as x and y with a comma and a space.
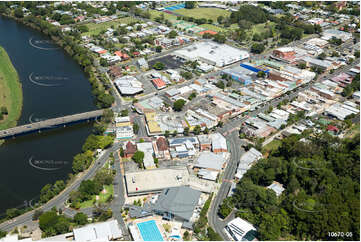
247, 161
328, 34
177, 203
155, 180
210, 161
286, 54
212, 53
128, 85
219, 143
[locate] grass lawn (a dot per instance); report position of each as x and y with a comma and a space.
213, 28
272, 146
11, 95
207, 13
154, 14
97, 28
102, 197
355, 129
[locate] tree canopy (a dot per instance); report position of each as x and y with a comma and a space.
321, 178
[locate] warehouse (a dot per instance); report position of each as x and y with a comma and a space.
212, 53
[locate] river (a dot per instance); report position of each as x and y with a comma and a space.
53, 85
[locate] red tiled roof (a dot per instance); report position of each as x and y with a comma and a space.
102, 51
162, 144
118, 53
332, 128
130, 148
159, 83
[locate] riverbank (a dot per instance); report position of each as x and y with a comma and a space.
11, 95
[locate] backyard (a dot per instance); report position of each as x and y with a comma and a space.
10, 91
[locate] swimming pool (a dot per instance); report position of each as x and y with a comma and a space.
149, 231
175, 7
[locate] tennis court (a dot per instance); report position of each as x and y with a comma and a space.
175, 7
149, 231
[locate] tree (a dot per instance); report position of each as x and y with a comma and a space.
257, 48
103, 62
190, 4
174, 134
166, 133
121, 152
220, 84
186, 75
48, 220
159, 66
197, 130
178, 105
302, 65
124, 113
37, 214
186, 131
19, 13
321, 56
12, 212
4, 110
80, 219
206, 130
192, 95
2, 234
158, 49
220, 38
261, 74
135, 128
220, 19
172, 34
138, 157
212, 235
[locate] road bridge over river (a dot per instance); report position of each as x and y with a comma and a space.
50, 124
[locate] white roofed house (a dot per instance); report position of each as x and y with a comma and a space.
240, 230
277, 188
105, 231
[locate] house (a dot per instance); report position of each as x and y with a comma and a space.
115, 71
143, 64
129, 149
277, 188
105, 231
161, 148
332, 129
159, 83
219, 143
240, 230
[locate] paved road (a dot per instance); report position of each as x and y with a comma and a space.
236, 152
59, 200
119, 199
